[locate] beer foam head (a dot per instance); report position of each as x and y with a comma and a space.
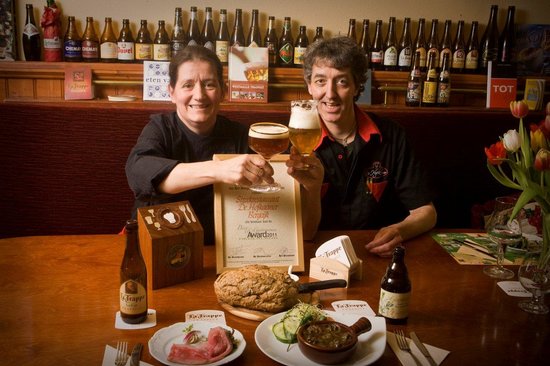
304, 114
266, 130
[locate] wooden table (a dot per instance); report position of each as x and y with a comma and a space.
59, 296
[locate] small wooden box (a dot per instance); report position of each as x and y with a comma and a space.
171, 240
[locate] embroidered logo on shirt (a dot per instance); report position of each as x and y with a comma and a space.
376, 178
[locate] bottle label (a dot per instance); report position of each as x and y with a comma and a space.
285, 53
144, 51
125, 51
209, 45
299, 53
72, 49
472, 60
459, 58
253, 44
444, 93
30, 30
390, 56
108, 50
414, 91
377, 57
161, 52
192, 42
222, 48
176, 46
423, 55
133, 298
90, 49
442, 55
394, 306
429, 94
405, 57
52, 43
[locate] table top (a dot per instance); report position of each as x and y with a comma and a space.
59, 296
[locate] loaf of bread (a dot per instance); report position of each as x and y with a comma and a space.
257, 287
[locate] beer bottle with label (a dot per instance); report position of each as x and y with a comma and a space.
395, 290
53, 37
107, 43
365, 39
377, 50
133, 279
208, 32
433, 43
144, 43
351, 30
507, 41
446, 43
405, 47
286, 45
459, 50
193, 32
390, 47
420, 44
90, 42
72, 43
237, 37
271, 41
31, 37
125, 43
429, 86
300, 47
161, 44
472, 50
254, 38
444, 83
414, 86
489, 41
318, 35
222, 38
177, 41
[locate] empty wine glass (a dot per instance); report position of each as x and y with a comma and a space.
534, 276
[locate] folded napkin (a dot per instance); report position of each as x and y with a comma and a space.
417, 358
110, 354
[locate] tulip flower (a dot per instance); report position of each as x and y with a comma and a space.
496, 153
548, 109
511, 141
546, 123
538, 140
519, 108
542, 160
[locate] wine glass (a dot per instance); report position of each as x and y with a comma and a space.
304, 126
267, 139
535, 278
503, 230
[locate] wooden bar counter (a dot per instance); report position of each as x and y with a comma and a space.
59, 297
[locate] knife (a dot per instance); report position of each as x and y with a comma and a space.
136, 355
422, 349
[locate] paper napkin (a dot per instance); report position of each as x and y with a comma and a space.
110, 354
514, 288
417, 357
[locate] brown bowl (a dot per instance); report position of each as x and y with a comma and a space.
329, 342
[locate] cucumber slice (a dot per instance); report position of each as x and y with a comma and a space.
279, 332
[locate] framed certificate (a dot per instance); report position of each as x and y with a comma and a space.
259, 228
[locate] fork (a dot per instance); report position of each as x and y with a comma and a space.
403, 344
121, 353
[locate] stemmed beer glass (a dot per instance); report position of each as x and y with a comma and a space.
304, 126
534, 276
267, 139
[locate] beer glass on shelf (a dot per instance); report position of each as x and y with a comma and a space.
304, 126
267, 139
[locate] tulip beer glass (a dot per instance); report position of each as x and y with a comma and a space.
304, 126
267, 139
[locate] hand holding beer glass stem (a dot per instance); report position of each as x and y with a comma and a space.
267, 139
304, 127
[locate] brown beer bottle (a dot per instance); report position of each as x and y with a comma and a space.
364, 43
433, 43
144, 43
446, 43
161, 44
507, 41
237, 37
444, 83
208, 32
31, 37
286, 45
472, 50
459, 50
178, 41
222, 38
390, 47
429, 87
377, 50
72, 43
107, 43
300, 46
405, 47
125, 43
254, 38
133, 279
90, 42
420, 44
395, 290
351, 30
489, 41
319, 34
193, 32
414, 86
272, 42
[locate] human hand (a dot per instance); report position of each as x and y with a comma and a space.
312, 177
245, 170
385, 240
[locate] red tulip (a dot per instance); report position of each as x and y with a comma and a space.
496, 153
542, 160
519, 108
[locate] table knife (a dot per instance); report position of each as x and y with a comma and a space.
136, 355
423, 349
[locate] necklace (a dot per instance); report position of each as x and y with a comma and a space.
344, 141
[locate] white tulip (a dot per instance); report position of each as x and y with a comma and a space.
511, 141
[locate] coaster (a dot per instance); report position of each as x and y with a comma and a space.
514, 288
151, 321
358, 307
212, 316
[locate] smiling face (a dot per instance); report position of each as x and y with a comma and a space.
197, 95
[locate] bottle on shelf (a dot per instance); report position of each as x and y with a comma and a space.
488, 48
286, 45
459, 50
446, 43
178, 40
161, 43
507, 40
144, 43
208, 32
222, 38
237, 37
300, 46
472, 51
405, 47
90, 42
271, 41
420, 44
433, 43
125, 43
72, 43
133, 279
107, 43
254, 38
414, 85
395, 290
377, 48
429, 86
365, 39
390, 47
444, 82
193, 31
51, 27
318, 35
351, 30
31, 37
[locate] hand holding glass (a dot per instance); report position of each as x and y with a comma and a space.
304, 126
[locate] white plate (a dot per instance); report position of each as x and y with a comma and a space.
161, 342
370, 345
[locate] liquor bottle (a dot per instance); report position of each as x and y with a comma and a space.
72, 43
446, 43
390, 47
125, 43
405, 47
178, 40
31, 37
222, 38
144, 43
489, 41
365, 38
395, 290
107, 43
300, 46
51, 27
318, 35
272, 42
420, 44
286, 45
472, 50
507, 41
414, 86
90, 42
254, 38
193, 31
459, 50
208, 32
444, 82
377, 50
351, 30
237, 37
433, 43
161, 44
133, 279
429, 86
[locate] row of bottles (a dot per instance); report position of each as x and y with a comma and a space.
432, 88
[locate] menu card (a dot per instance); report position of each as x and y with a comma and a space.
248, 74
78, 83
156, 80
501, 87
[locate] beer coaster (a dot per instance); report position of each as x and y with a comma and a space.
151, 321
121, 98
513, 288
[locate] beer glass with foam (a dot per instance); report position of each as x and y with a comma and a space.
304, 126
